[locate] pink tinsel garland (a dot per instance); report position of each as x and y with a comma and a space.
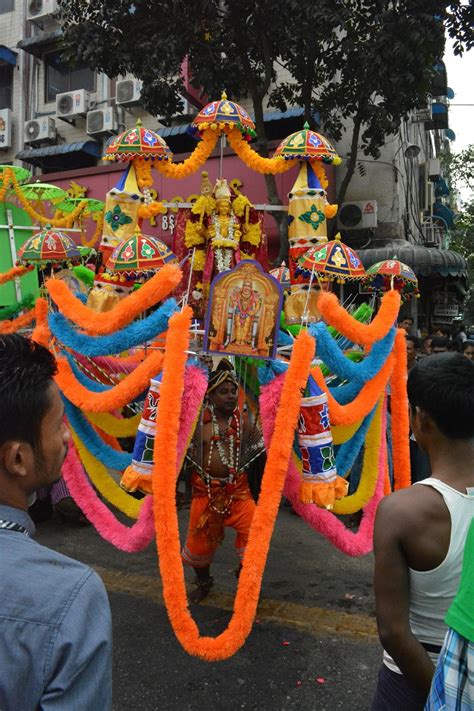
322, 521
137, 537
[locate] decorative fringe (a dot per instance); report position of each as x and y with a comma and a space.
164, 479
93, 323
364, 334
116, 397
400, 419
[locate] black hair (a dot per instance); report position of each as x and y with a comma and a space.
407, 317
26, 372
443, 386
414, 340
440, 342
467, 344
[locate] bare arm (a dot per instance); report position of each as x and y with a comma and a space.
392, 595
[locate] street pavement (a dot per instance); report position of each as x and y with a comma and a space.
313, 645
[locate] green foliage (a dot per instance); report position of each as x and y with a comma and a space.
458, 168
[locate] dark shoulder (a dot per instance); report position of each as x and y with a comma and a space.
410, 507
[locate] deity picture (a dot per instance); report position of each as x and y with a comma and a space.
243, 312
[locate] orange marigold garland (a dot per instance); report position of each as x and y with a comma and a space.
164, 499
253, 160
126, 310
400, 419
203, 150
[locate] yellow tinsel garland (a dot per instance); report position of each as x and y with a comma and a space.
125, 427
193, 234
199, 260
104, 483
252, 234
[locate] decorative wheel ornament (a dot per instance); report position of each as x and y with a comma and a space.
392, 274
333, 261
138, 142
49, 246
307, 145
139, 254
218, 115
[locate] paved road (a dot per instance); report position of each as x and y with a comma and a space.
314, 645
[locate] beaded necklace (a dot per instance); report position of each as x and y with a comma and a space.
232, 434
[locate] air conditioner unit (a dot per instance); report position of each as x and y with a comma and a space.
357, 215
101, 122
5, 128
127, 92
42, 130
72, 103
41, 11
434, 169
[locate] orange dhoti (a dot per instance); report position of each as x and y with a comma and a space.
206, 524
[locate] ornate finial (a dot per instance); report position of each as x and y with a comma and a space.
338, 237
306, 125
224, 95
139, 122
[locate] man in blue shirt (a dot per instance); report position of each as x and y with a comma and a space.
55, 623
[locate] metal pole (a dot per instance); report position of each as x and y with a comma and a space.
11, 236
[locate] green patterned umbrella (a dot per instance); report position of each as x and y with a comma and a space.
43, 191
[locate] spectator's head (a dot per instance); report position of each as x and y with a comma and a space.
441, 396
427, 344
406, 323
442, 331
468, 349
412, 348
439, 344
33, 437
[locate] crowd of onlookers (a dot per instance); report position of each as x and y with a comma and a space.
443, 339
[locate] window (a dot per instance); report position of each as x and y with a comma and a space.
60, 76
6, 85
6, 6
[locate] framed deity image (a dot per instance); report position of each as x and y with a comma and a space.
243, 312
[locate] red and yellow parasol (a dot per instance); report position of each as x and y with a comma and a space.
308, 145
138, 142
218, 115
392, 274
139, 254
333, 261
49, 246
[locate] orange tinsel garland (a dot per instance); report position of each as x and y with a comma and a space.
14, 272
363, 403
164, 495
17, 323
363, 334
41, 333
400, 420
252, 159
96, 324
118, 396
201, 153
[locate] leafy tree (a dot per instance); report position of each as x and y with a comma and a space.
372, 70
365, 60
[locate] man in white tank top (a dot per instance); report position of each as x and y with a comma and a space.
420, 533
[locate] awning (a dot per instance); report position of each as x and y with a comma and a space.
38, 44
8, 55
423, 260
82, 154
